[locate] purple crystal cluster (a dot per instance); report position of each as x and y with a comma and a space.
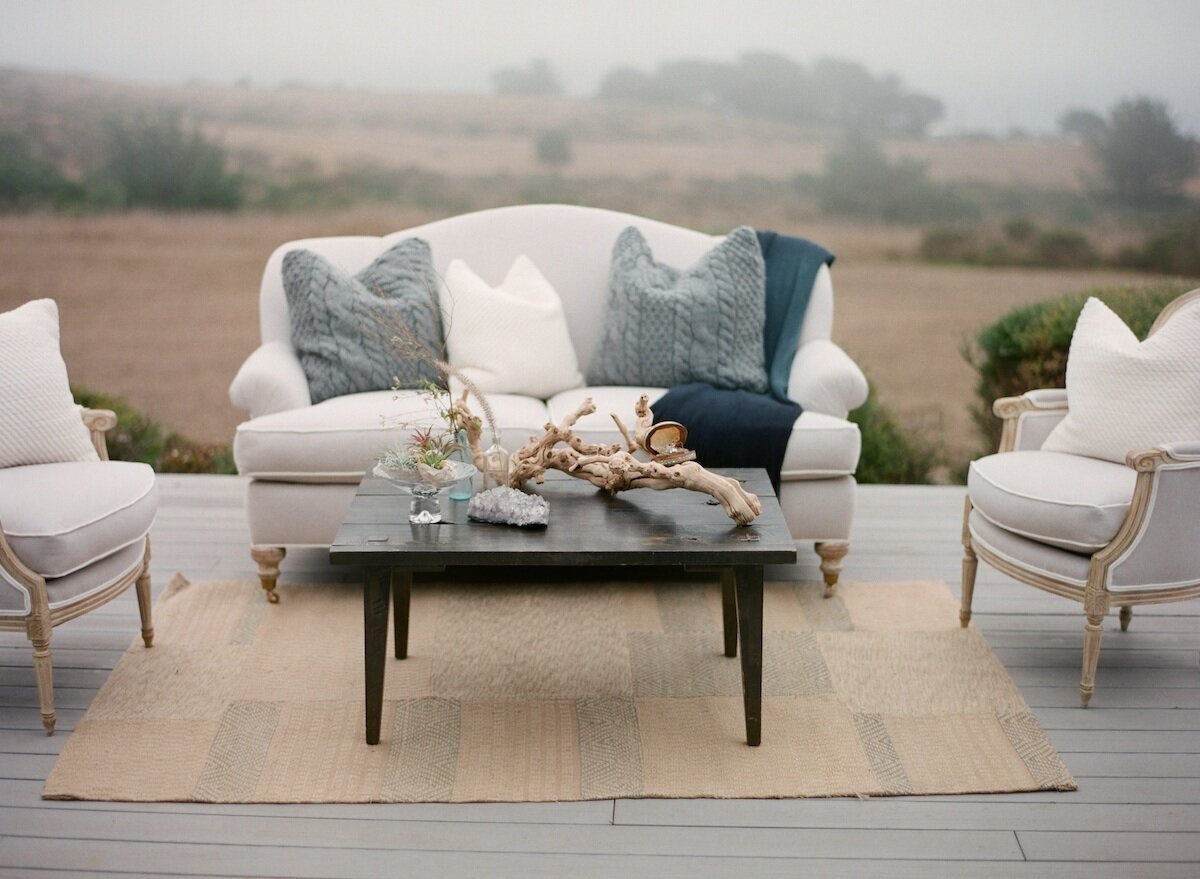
508, 506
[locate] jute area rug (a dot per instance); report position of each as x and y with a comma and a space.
520, 692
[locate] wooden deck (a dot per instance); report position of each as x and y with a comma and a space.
1135, 753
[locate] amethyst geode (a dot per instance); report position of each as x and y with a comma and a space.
508, 506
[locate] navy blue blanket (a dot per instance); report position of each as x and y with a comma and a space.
740, 428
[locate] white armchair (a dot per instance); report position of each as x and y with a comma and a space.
73, 536
1104, 534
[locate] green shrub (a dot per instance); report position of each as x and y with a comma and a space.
891, 454
861, 181
157, 162
139, 438
1173, 251
1027, 348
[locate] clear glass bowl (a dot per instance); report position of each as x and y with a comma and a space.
425, 486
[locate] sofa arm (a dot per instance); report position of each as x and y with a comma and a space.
824, 379
271, 380
1029, 418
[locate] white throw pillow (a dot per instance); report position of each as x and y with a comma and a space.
39, 421
1125, 395
510, 339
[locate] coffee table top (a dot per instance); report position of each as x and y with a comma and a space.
587, 526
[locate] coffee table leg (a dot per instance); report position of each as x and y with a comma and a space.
729, 611
749, 580
401, 590
375, 626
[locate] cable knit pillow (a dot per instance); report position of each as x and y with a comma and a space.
39, 421
666, 326
343, 326
510, 339
1124, 395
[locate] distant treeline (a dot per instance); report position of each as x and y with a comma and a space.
772, 86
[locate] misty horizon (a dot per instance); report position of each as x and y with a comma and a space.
1020, 67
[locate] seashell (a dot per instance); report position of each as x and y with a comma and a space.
665, 438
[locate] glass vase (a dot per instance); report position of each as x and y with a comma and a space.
495, 464
464, 488
425, 508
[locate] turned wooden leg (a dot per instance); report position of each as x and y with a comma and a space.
969, 564
1091, 655
401, 595
729, 611
832, 553
45, 681
268, 559
143, 597
1126, 616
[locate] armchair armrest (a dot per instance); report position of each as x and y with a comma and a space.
1029, 418
1158, 545
99, 422
824, 379
271, 380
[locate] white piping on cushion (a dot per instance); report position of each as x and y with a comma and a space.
1023, 564
83, 525
74, 599
1046, 500
101, 556
1090, 547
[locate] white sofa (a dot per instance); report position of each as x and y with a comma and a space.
305, 460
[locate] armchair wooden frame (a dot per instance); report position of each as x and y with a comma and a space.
42, 618
1095, 595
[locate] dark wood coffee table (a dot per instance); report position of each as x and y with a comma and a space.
676, 528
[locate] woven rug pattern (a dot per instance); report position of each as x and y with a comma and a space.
555, 692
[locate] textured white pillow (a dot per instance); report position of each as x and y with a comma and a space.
510, 339
1124, 395
39, 421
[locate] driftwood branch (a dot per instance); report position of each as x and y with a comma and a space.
614, 468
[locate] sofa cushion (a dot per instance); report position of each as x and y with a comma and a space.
508, 339
821, 446
666, 326
1125, 395
39, 421
1068, 501
343, 327
60, 518
340, 439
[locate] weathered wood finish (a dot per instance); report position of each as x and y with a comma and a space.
587, 527
42, 618
401, 597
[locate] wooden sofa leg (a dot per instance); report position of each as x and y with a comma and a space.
969, 565
1126, 616
832, 552
268, 559
143, 598
1091, 656
44, 672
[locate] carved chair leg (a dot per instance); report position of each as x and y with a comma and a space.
268, 559
45, 681
1126, 616
1091, 655
143, 598
832, 552
969, 565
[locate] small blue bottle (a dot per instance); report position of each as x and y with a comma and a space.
464, 488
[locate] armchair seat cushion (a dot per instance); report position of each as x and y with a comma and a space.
339, 440
60, 518
1068, 501
821, 446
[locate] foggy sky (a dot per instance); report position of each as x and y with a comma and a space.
996, 64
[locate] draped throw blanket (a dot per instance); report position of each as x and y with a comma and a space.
738, 428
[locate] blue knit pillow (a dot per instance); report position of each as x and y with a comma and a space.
343, 326
666, 326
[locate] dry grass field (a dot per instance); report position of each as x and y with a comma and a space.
162, 308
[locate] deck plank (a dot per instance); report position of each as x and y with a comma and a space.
1135, 753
